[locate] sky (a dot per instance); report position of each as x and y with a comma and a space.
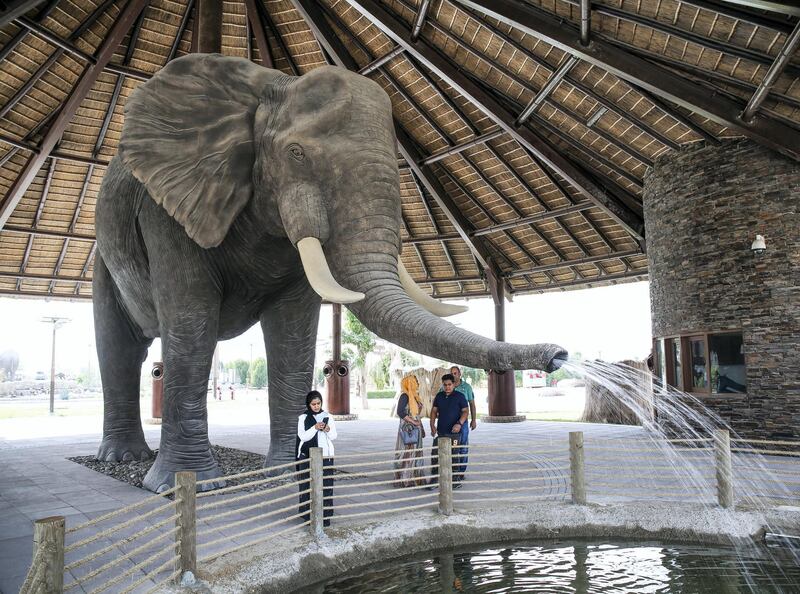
610, 323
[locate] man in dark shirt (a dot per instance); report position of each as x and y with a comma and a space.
448, 415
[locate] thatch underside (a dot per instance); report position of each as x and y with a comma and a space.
607, 129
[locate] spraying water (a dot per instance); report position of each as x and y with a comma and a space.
686, 445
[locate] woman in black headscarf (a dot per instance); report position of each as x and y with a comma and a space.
315, 429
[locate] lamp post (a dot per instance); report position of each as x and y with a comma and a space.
57, 323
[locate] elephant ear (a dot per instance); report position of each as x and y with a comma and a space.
188, 137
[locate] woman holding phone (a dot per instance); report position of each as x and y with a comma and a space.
315, 428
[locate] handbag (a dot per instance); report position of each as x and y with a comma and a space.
409, 433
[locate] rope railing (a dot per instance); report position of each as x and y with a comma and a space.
370, 485
250, 484
119, 527
252, 506
231, 477
230, 500
124, 510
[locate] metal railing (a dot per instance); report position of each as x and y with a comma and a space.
281, 500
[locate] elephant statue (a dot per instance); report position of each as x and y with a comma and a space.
241, 195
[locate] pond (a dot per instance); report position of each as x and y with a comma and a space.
574, 566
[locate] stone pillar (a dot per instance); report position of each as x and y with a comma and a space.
337, 374
703, 207
502, 390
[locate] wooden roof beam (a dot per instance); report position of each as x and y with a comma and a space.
208, 24
639, 72
759, 19
774, 72
586, 21
48, 233
173, 50
575, 262
115, 36
13, 9
259, 32
447, 70
419, 20
44, 277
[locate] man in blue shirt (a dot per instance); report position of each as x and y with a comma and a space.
448, 414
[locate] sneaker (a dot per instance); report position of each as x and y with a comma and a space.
457, 485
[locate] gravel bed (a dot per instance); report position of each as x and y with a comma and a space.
230, 460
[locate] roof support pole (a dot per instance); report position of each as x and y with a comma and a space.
259, 32
548, 87
586, 21
115, 36
209, 26
640, 72
419, 21
774, 72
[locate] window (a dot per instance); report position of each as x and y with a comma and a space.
659, 369
674, 368
703, 363
726, 352
699, 371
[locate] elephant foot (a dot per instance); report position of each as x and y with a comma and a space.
278, 460
124, 449
161, 475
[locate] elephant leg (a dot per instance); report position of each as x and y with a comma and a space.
188, 311
121, 350
290, 334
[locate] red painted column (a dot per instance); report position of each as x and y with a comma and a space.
337, 372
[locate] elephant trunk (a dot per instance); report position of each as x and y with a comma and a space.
363, 255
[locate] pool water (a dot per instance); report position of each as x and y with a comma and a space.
574, 566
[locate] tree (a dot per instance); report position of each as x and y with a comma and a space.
258, 374
362, 340
409, 359
380, 372
475, 376
242, 369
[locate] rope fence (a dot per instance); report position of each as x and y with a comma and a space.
119, 553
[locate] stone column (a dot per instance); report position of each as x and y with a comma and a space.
703, 207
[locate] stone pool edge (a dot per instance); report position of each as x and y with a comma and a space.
298, 561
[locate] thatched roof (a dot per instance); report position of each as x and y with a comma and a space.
550, 203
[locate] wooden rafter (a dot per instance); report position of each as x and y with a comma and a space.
626, 66
115, 36
443, 67
259, 28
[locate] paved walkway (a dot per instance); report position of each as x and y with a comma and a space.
39, 481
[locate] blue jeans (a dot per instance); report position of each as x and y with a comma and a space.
463, 439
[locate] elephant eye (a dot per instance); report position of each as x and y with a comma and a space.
296, 151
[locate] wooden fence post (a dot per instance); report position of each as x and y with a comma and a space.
576, 467
48, 543
317, 499
445, 475
722, 447
186, 482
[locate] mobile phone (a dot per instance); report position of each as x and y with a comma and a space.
325, 421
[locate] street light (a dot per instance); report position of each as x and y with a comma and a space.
57, 323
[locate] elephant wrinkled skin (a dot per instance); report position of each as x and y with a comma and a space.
240, 195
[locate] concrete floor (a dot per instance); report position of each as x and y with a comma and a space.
39, 481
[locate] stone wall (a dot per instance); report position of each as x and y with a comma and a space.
703, 207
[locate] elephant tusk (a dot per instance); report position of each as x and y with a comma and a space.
434, 306
319, 274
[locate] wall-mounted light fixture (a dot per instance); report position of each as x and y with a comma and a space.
758, 246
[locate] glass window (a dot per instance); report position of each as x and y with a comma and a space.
728, 372
674, 368
660, 370
697, 350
